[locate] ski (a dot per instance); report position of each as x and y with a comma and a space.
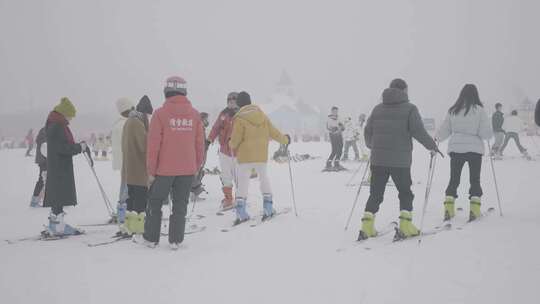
44, 236
398, 236
192, 230
380, 233
114, 239
234, 227
486, 214
259, 221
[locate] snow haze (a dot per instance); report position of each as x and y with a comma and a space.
338, 53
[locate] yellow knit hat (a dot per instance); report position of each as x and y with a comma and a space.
66, 108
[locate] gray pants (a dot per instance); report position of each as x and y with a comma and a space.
348, 145
179, 187
515, 137
499, 139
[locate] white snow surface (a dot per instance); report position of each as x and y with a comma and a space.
289, 260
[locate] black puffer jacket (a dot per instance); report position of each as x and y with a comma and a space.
390, 128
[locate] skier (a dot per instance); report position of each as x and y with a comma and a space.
222, 130
175, 151
60, 186
537, 113
124, 107
467, 126
197, 187
41, 161
29, 142
335, 129
388, 133
100, 146
497, 121
134, 173
252, 130
361, 142
513, 126
350, 134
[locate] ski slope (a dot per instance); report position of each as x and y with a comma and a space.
289, 260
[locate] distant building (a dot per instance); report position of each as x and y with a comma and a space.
290, 114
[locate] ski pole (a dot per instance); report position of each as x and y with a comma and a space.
353, 176
495, 180
357, 196
103, 194
291, 180
431, 171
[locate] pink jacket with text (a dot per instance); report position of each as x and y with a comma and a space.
175, 139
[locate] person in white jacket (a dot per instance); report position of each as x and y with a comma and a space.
124, 106
513, 125
468, 126
350, 135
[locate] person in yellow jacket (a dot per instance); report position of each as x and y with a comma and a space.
252, 131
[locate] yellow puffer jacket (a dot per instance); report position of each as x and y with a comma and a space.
252, 131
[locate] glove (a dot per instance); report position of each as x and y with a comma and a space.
83, 145
151, 180
435, 151
288, 139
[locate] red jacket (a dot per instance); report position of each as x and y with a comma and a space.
175, 139
223, 128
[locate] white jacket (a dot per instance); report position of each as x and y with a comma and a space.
351, 131
116, 138
512, 124
467, 133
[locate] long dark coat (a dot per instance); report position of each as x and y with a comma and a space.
60, 185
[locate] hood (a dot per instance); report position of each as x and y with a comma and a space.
55, 117
394, 96
136, 114
252, 114
178, 103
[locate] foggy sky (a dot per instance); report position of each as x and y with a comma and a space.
337, 52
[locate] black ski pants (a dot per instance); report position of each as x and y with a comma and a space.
457, 161
137, 198
379, 179
515, 137
179, 187
336, 140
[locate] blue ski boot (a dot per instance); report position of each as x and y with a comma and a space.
268, 207
241, 212
58, 227
121, 212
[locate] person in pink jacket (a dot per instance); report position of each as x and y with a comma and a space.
175, 152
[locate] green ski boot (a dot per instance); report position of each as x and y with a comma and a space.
406, 227
138, 223
126, 229
368, 227
449, 208
475, 212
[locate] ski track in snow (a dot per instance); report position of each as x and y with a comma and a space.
288, 260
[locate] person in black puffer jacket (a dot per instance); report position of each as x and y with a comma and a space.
388, 133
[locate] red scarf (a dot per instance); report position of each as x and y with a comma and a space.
55, 117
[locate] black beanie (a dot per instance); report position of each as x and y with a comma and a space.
145, 106
398, 83
243, 99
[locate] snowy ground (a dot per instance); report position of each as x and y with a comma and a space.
290, 260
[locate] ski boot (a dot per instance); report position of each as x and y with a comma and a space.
328, 167
526, 155
34, 202
368, 227
137, 226
449, 208
475, 212
269, 211
227, 203
139, 239
338, 166
406, 227
58, 227
241, 212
